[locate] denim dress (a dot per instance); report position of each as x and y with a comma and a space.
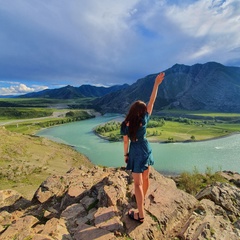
140, 152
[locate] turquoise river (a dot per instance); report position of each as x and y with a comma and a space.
171, 158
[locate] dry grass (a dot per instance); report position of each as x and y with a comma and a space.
26, 161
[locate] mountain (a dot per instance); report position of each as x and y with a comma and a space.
67, 92
93, 91
210, 86
70, 92
7, 96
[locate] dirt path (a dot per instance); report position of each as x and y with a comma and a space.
54, 115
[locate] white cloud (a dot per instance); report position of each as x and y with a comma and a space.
20, 89
201, 52
212, 27
9, 82
39, 88
207, 17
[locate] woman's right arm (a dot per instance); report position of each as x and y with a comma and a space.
125, 147
158, 81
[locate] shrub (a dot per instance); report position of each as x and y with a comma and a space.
193, 182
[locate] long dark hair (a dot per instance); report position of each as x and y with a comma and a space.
134, 118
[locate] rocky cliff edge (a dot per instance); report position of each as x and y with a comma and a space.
92, 203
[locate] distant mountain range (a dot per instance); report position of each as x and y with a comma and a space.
7, 96
70, 92
210, 86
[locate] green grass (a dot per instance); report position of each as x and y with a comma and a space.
44, 102
175, 131
26, 161
23, 113
216, 114
30, 102
193, 182
183, 132
31, 126
201, 113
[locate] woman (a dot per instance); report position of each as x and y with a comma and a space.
138, 154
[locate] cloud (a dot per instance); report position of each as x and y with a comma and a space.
20, 89
212, 28
9, 82
112, 42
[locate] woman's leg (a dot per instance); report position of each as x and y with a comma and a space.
138, 186
145, 177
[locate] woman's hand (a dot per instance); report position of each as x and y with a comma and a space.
159, 78
126, 159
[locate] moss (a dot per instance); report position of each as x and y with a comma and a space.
155, 219
28, 238
92, 205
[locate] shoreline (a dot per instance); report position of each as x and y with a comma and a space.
167, 142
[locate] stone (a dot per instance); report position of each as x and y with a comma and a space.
211, 224
53, 186
75, 191
8, 197
57, 229
232, 177
88, 202
21, 229
41, 237
86, 232
72, 213
106, 218
167, 204
224, 195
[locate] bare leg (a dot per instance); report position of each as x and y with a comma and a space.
145, 177
138, 186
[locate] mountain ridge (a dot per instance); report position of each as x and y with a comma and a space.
70, 92
210, 86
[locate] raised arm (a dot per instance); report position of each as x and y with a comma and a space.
158, 81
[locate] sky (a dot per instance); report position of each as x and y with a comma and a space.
54, 43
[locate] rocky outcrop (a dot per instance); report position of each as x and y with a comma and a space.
93, 204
